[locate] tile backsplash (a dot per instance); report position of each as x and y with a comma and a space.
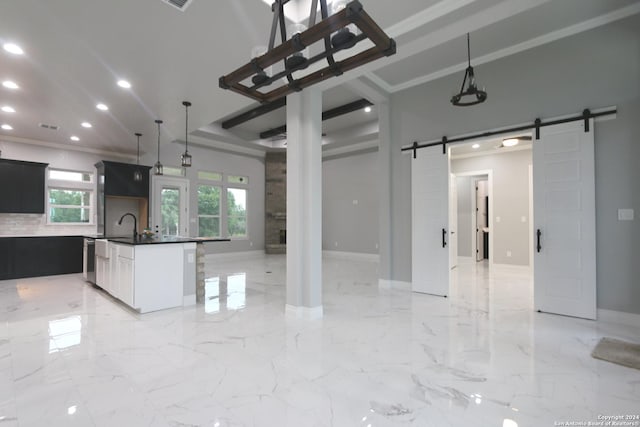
36, 225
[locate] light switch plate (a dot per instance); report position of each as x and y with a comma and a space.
625, 214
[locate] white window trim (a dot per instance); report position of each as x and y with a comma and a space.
219, 216
59, 184
226, 223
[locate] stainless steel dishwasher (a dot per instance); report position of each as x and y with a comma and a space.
89, 260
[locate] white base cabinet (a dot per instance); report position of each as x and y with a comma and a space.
147, 277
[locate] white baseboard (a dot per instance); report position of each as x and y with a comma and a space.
394, 284
188, 300
305, 313
234, 255
620, 317
353, 256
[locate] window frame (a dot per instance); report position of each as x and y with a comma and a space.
219, 216
245, 236
68, 185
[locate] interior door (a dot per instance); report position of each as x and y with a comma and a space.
564, 221
170, 206
430, 221
453, 222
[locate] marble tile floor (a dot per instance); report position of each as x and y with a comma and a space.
72, 356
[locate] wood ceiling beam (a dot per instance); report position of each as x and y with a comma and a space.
326, 115
253, 113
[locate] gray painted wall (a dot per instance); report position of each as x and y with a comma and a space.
593, 69
347, 226
226, 163
510, 202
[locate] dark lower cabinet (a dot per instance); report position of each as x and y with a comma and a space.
40, 256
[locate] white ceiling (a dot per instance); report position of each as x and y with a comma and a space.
75, 52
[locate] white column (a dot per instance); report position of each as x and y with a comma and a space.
384, 186
304, 204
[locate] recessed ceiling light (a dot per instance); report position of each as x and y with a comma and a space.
86, 125
474, 146
124, 84
367, 109
10, 85
7, 127
13, 48
102, 107
74, 138
510, 142
8, 109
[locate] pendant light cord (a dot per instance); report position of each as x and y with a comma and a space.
468, 50
138, 155
186, 130
158, 122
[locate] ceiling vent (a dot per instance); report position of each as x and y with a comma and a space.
179, 4
46, 126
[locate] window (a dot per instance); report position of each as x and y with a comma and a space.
209, 176
236, 179
69, 206
236, 212
70, 197
64, 175
208, 211
173, 171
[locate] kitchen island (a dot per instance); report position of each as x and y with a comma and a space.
149, 274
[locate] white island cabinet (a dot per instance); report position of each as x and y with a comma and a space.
147, 276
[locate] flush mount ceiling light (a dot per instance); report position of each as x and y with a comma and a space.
367, 109
137, 175
8, 109
471, 95
124, 84
338, 32
475, 146
186, 157
86, 125
74, 138
10, 85
157, 168
511, 142
13, 48
102, 107
7, 127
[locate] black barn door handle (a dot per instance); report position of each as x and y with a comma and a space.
444, 238
538, 234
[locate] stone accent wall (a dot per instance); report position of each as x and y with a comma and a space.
275, 202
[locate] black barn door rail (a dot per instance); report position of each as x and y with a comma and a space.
537, 124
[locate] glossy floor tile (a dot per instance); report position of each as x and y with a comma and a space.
72, 356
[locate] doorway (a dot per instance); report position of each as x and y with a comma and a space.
473, 201
563, 216
170, 206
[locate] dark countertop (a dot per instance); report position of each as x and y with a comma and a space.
162, 240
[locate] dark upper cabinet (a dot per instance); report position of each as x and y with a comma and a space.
118, 179
22, 186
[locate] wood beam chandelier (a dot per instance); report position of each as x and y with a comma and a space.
337, 32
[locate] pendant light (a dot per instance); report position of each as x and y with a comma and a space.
475, 95
157, 168
186, 157
137, 175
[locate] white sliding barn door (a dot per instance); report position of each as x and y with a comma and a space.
430, 221
564, 221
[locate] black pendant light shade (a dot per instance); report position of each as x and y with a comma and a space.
471, 95
137, 175
186, 157
157, 168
